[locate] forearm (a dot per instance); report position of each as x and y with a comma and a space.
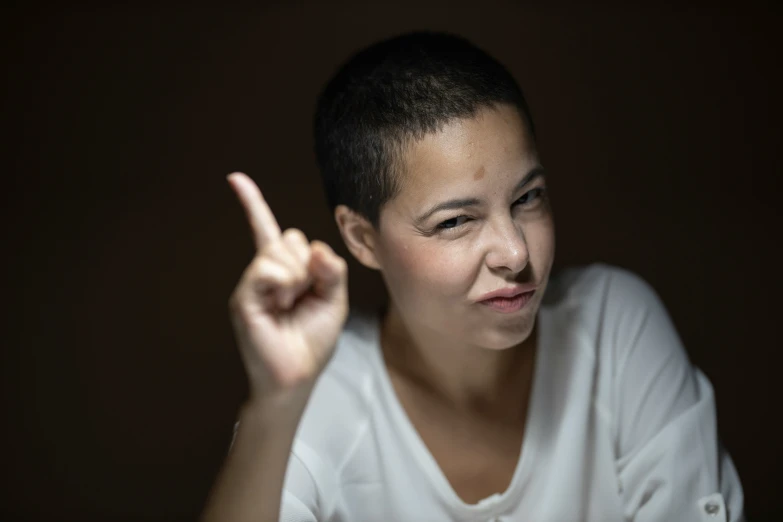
250, 484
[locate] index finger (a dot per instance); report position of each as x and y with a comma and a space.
262, 221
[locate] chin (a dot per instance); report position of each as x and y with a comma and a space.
504, 337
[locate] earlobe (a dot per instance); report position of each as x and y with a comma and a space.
359, 236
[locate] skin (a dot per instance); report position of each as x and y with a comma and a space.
462, 371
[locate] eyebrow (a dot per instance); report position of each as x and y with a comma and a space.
454, 204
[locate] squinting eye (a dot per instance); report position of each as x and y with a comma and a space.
452, 223
530, 196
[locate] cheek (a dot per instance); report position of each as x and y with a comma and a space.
428, 267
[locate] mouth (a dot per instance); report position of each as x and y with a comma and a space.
508, 305
508, 300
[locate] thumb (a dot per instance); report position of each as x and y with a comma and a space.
330, 271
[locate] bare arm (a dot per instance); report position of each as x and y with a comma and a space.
250, 484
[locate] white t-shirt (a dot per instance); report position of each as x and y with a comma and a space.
620, 426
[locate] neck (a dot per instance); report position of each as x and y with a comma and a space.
464, 377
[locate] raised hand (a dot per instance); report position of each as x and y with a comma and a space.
290, 304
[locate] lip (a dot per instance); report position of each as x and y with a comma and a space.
508, 305
508, 292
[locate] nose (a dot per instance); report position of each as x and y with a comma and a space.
507, 247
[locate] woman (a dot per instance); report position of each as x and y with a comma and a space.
483, 391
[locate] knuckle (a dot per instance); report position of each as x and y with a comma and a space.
290, 232
262, 270
271, 249
294, 234
289, 280
258, 266
283, 253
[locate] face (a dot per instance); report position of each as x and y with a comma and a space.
472, 217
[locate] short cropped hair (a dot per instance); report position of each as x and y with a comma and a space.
391, 94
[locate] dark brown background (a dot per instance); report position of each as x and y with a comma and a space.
122, 241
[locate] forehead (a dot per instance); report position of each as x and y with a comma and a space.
489, 149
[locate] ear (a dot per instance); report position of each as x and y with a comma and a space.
359, 236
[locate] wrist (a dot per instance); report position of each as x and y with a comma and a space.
277, 405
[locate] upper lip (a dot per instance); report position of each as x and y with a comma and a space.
508, 292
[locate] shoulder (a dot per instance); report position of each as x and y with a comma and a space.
603, 291
339, 408
599, 284
607, 304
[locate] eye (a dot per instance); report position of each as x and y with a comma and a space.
530, 196
452, 223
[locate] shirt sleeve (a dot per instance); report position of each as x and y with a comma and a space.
310, 487
670, 463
